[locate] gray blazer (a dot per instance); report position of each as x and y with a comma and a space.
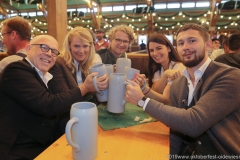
216, 109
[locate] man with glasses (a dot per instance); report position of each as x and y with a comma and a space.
120, 38
15, 35
29, 112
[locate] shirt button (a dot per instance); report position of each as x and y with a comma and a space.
199, 142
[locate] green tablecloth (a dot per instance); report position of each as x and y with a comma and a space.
108, 120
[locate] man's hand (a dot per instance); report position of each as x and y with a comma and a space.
133, 93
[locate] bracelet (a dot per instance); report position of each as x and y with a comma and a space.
147, 91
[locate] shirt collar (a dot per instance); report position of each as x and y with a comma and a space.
76, 64
22, 51
199, 70
47, 77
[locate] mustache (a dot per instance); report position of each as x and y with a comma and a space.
188, 52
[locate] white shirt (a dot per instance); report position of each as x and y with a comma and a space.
216, 53
47, 77
197, 74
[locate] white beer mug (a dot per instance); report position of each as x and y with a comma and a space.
122, 63
82, 131
102, 96
116, 97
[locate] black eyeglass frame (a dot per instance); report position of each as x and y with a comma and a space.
119, 41
46, 48
2, 34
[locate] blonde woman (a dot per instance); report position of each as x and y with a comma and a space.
72, 67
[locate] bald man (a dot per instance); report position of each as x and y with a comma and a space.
29, 112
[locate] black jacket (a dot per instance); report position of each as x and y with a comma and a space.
28, 111
232, 59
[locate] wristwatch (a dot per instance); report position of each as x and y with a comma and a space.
142, 101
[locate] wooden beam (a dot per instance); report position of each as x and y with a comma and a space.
42, 8
150, 19
57, 19
3, 12
214, 16
96, 22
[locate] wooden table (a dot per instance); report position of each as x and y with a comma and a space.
148, 141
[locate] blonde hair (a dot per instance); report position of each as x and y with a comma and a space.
128, 30
84, 35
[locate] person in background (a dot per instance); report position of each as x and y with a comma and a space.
101, 43
29, 112
16, 34
142, 46
232, 58
134, 46
72, 66
222, 39
202, 120
120, 38
215, 44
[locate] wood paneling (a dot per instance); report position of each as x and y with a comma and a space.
139, 61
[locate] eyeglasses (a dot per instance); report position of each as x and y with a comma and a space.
46, 48
119, 41
5, 33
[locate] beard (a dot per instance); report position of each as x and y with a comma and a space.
195, 61
99, 38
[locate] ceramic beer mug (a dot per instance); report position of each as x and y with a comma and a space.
116, 97
130, 72
122, 63
109, 68
82, 131
102, 96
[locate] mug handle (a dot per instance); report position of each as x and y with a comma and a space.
144, 85
68, 131
125, 83
96, 87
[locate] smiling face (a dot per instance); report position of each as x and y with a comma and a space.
42, 60
192, 48
79, 49
159, 53
119, 45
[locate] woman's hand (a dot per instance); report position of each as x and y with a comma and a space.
102, 82
172, 74
87, 86
140, 79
